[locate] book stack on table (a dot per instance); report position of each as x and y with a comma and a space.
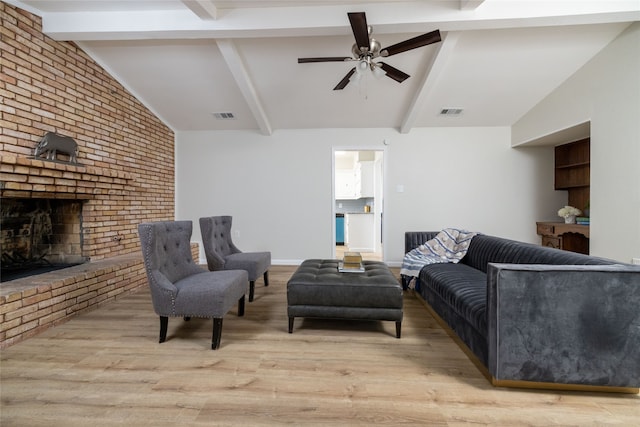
351, 263
582, 220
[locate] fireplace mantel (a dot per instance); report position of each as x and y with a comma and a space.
28, 177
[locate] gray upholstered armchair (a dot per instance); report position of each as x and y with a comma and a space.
222, 254
181, 288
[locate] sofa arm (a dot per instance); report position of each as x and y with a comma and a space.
568, 324
413, 239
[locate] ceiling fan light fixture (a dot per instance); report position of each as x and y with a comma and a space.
361, 67
378, 72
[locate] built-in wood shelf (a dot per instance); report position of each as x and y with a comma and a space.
573, 165
568, 237
573, 171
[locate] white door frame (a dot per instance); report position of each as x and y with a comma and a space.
333, 189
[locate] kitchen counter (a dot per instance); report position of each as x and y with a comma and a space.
359, 232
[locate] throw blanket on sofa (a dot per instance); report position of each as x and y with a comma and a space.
449, 245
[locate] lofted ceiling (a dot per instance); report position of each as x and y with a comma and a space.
189, 59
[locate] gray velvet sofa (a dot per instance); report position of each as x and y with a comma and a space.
534, 316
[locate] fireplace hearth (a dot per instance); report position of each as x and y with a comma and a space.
40, 235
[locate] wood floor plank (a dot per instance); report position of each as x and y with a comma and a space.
106, 368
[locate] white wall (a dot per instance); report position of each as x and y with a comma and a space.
605, 91
279, 188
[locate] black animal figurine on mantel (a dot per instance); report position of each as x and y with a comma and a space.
51, 144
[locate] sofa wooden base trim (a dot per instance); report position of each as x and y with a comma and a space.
518, 384
557, 386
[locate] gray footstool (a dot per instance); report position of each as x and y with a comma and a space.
318, 290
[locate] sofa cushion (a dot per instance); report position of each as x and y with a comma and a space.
485, 249
462, 287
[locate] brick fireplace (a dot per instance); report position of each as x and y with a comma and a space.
38, 235
124, 175
91, 203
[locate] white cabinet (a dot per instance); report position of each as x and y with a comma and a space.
359, 232
355, 183
345, 184
366, 179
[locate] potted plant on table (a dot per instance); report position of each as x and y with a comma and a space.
569, 214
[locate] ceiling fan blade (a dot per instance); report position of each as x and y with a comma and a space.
419, 41
360, 29
325, 59
345, 81
394, 73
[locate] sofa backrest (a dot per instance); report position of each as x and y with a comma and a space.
413, 239
485, 249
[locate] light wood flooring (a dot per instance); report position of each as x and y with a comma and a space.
105, 368
369, 256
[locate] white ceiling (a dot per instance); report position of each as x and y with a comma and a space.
186, 59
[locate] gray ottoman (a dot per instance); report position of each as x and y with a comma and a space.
318, 289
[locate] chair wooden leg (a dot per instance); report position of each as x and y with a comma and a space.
241, 306
252, 287
291, 324
398, 329
217, 333
164, 322
187, 318
266, 278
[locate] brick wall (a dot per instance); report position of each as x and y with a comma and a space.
126, 154
51, 298
31, 305
125, 173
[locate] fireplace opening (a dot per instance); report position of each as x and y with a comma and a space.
39, 235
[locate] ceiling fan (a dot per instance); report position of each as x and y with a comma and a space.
366, 49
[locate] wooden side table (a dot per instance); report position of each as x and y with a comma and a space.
568, 237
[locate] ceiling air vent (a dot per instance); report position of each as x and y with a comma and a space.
224, 116
451, 111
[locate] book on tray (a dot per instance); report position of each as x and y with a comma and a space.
351, 265
352, 257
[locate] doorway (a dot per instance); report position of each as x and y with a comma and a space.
358, 202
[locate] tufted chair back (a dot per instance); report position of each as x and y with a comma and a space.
166, 251
216, 240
